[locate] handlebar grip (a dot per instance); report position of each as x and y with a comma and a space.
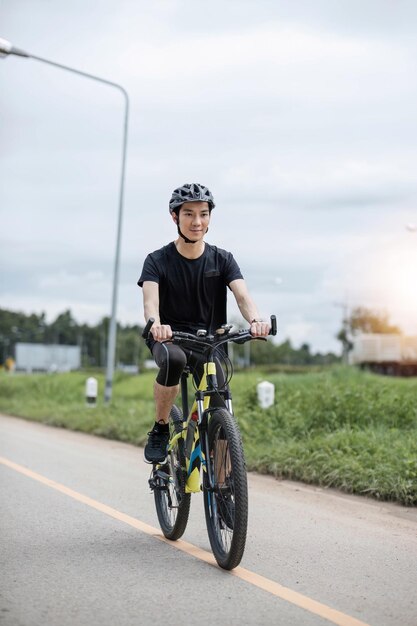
273, 330
148, 327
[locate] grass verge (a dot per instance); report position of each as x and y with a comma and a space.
336, 428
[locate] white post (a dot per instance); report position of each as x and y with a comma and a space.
91, 389
266, 394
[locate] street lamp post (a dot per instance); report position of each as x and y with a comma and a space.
7, 49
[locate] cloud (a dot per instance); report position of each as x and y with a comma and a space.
300, 331
322, 182
66, 280
299, 116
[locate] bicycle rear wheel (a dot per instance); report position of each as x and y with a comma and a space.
171, 502
226, 490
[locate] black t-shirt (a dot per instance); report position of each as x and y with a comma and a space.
192, 292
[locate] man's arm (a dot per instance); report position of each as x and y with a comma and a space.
248, 308
151, 309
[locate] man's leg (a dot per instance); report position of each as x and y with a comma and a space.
171, 360
164, 399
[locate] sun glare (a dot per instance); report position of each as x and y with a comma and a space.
392, 282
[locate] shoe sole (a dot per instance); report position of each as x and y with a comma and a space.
159, 462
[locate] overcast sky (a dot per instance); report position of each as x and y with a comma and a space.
299, 116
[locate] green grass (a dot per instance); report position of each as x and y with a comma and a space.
336, 428
59, 400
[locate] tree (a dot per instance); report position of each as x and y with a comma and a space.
16, 326
64, 330
343, 337
364, 320
131, 349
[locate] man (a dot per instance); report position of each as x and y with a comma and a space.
184, 288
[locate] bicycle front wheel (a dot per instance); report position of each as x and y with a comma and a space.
171, 502
226, 490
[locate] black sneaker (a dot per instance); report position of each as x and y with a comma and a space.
226, 508
156, 448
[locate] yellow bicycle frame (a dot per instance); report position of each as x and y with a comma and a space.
194, 454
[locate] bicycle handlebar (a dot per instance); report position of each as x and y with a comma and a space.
148, 327
240, 336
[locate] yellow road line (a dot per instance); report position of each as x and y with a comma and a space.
270, 586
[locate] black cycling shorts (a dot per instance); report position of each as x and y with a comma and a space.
171, 360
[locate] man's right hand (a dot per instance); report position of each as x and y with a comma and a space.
161, 332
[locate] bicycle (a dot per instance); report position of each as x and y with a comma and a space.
208, 439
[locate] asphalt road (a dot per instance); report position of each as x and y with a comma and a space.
80, 545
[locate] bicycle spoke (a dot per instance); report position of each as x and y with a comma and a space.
171, 501
225, 493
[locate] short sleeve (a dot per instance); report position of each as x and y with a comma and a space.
232, 270
149, 271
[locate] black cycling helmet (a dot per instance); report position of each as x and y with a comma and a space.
190, 192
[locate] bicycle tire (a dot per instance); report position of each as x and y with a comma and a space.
171, 502
226, 503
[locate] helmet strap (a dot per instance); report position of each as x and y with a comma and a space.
183, 236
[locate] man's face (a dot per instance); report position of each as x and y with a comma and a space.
194, 218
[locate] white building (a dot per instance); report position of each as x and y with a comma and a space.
47, 357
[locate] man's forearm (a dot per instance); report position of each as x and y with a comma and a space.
151, 310
248, 309
244, 300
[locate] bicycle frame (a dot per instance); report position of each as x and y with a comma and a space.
196, 423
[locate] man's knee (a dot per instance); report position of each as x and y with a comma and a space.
171, 366
162, 391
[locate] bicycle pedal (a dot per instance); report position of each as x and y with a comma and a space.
162, 474
152, 484
155, 486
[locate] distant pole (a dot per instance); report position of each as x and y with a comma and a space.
345, 326
246, 352
7, 49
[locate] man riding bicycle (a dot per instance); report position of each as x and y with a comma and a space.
184, 289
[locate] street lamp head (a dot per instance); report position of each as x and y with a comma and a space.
6, 48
